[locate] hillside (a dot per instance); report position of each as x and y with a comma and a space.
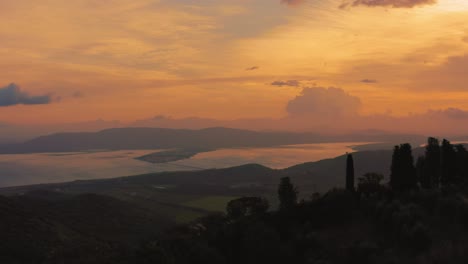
176, 193
43, 225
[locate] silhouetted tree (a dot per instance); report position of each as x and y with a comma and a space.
369, 183
403, 172
395, 168
246, 206
448, 163
462, 164
423, 179
432, 164
350, 173
287, 194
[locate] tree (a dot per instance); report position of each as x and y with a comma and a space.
395, 169
403, 173
432, 163
462, 164
448, 163
350, 173
369, 184
287, 194
423, 178
246, 206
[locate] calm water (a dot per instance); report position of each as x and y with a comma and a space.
27, 169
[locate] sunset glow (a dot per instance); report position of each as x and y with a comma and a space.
229, 59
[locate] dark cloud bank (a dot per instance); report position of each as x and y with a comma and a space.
292, 2
294, 83
253, 68
368, 81
12, 95
372, 3
389, 3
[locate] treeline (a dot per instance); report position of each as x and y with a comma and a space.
341, 226
443, 166
420, 216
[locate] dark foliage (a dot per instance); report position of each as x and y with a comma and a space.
370, 184
350, 173
375, 224
431, 171
287, 194
403, 173
246, 206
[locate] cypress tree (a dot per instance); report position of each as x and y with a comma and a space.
403, 173
423, 178
287, 194
350, 173
395, 170
432, 163
448, 163
462, 164
409, 179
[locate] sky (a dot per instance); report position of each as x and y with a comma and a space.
327, 65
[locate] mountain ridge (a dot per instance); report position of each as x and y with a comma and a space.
164, 138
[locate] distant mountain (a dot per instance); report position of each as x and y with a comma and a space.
163, 138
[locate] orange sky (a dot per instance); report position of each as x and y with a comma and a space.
133, 59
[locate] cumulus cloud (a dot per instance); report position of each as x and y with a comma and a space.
324, 102
368, 81
12, 95
294, 83
389, 3
292, 2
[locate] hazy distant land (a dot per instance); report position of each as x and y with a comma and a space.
170, 155
209, 138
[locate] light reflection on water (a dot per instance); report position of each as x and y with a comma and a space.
27, 169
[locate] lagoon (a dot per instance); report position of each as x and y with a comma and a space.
26, 169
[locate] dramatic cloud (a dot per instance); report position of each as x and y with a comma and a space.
252, 68
294, 83
324, 102
12, 95
368, 81
292, 2
389, 3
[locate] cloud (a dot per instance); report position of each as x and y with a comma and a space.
324, 102
448, 76
451, 112
388, 3
465, 39
252, 68
294, 83
292, 2
78, 94
368, 81
12, 95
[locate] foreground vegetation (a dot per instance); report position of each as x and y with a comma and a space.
419, 216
